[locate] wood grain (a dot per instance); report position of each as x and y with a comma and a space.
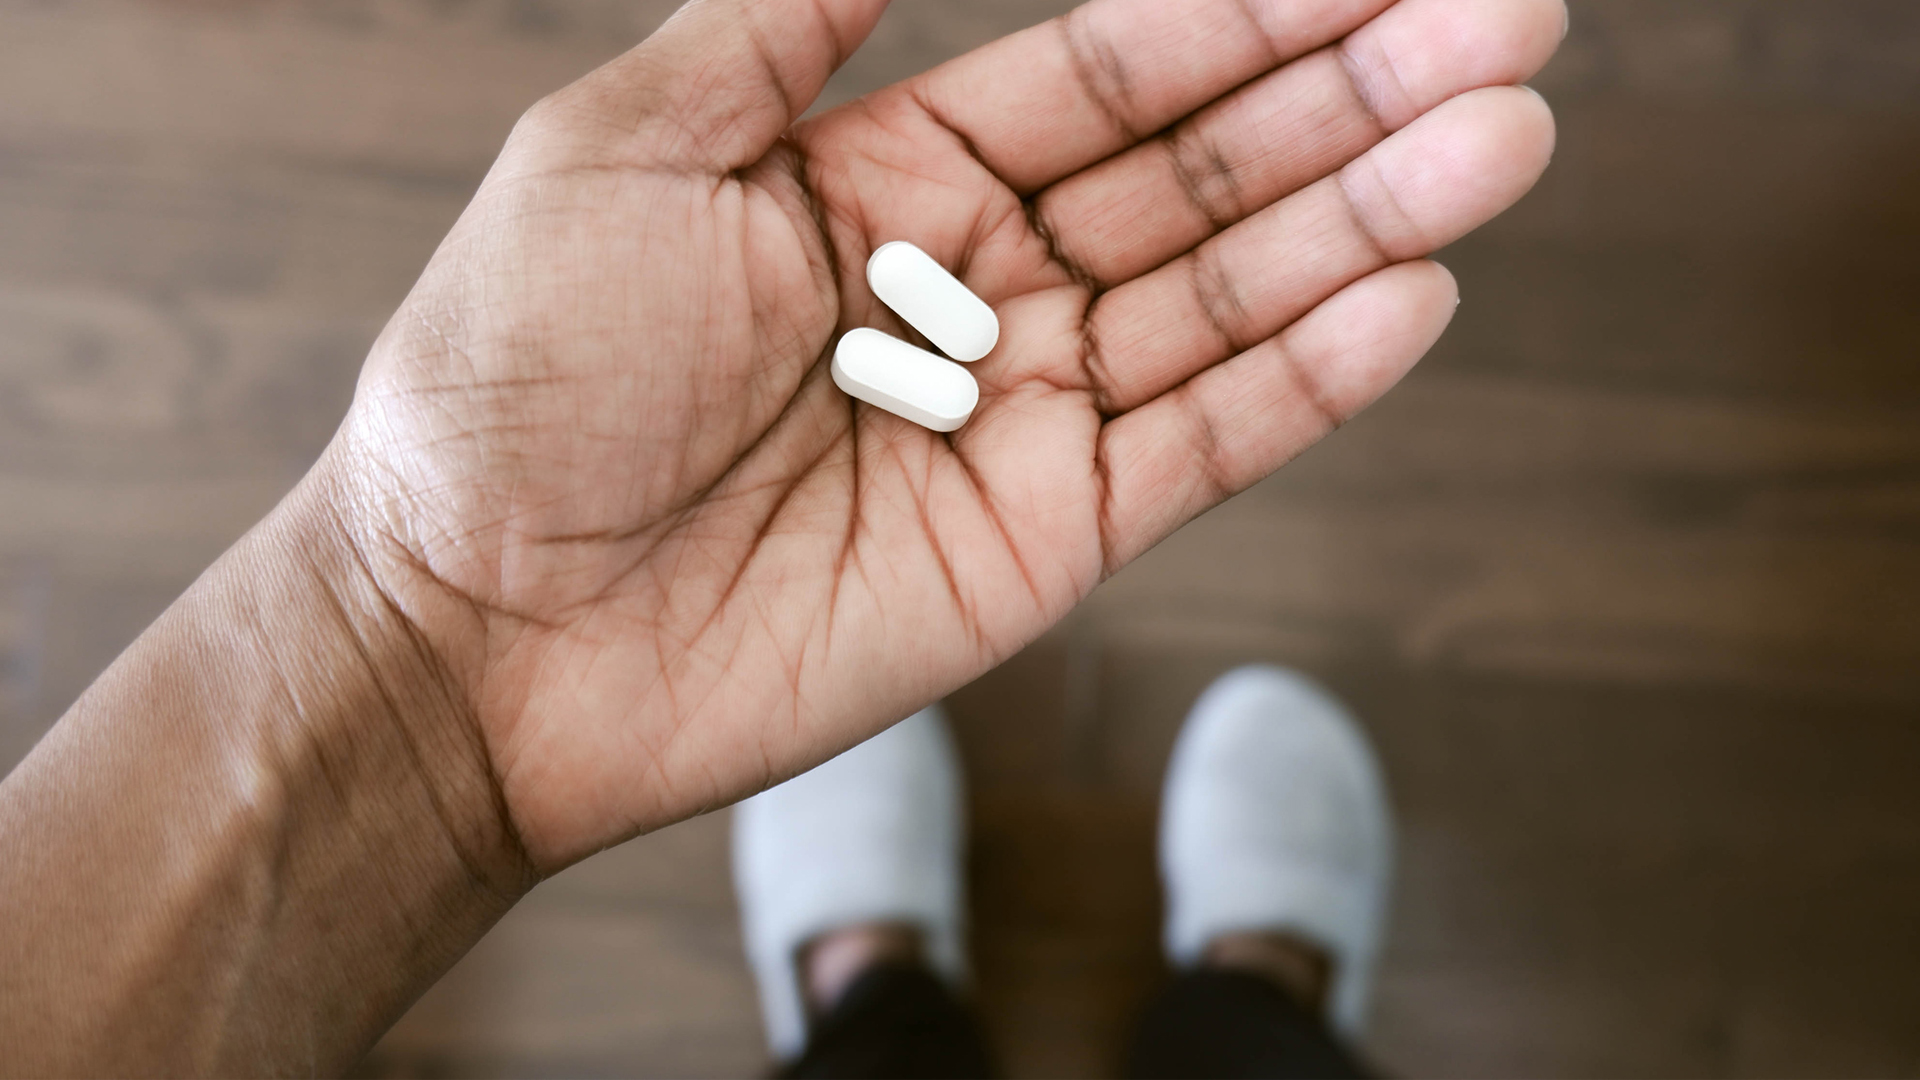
1625, 580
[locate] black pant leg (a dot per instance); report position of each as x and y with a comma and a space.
896, 1020
1234, 1026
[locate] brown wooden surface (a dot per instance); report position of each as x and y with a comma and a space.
1626, 579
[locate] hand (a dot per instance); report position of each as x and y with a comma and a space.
597, 458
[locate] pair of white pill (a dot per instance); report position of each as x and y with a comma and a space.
904, 379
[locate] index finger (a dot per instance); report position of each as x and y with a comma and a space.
1051, 100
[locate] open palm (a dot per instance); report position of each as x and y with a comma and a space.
601, 461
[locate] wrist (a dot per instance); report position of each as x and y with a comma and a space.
275, 798
347, 628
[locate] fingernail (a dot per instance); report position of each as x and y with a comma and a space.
1566, 21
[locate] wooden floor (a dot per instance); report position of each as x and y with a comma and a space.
1625, 580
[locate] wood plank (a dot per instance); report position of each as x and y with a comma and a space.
416, 86
628, 964
1621, 580
1852, 52
1479, 524
25, 588
1713, 248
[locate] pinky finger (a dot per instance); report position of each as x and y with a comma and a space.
1193, 447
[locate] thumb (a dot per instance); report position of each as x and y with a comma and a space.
715, 86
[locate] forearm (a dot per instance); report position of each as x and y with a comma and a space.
264, 831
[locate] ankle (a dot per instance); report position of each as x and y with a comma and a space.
831, 963
1301, 969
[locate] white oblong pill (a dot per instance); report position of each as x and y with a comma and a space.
904, 379
933, 301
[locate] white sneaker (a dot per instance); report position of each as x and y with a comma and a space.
874, 835
1275, 817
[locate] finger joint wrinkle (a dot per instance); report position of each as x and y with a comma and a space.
1312, 390
1093, 365
1207, 446
1102, 74
1218, 301
1058, 254
1212, 188
1363, 220
1258, 28
920, 96
1366, 82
